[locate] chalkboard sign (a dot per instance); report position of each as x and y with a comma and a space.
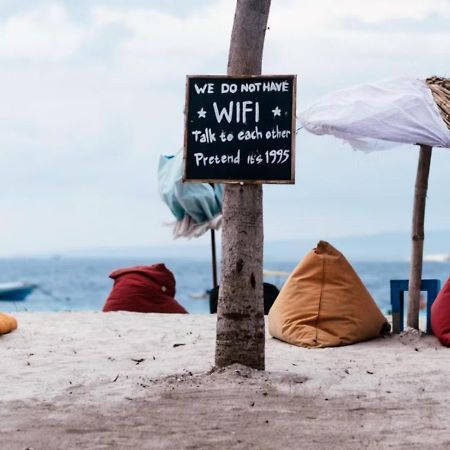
240, 129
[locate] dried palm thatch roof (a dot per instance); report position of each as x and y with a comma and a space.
440, 88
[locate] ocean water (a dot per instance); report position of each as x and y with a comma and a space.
83, 284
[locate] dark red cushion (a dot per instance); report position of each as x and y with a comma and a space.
149, 289
440, 315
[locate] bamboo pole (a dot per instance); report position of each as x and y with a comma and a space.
418, 235
213, 254
214, 258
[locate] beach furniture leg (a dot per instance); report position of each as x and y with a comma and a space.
432, 287
398, 288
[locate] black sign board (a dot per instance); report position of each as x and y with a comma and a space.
240, 129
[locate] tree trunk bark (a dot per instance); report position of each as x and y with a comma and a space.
240, 311
418, 235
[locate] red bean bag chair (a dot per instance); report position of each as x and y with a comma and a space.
440, 315
149, 289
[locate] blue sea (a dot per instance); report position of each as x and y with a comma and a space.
67, 284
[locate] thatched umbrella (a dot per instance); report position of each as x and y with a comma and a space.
406, 111
440, 89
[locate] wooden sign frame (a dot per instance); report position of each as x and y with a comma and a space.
291, 180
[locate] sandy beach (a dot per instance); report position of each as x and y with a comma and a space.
144, 381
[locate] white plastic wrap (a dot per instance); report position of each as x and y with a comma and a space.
188, 228
376, 115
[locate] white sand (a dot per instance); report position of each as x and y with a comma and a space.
118, 380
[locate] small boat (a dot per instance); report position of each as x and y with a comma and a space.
16, 290
199, 295
438, 257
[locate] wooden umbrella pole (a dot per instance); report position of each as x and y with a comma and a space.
418, 235
214, 258
213, 253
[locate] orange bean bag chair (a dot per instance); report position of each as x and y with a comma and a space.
440, 315
149, 289
7, 323
325, 304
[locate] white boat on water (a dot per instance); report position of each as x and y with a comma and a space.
438, 257
16, 290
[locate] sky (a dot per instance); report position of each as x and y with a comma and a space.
92, 93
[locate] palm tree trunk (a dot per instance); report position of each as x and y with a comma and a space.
240, 312
418, 235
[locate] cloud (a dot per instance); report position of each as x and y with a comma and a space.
93, 92
81, 8
44, 33
432, 24
312, 37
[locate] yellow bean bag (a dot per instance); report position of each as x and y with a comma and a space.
325, 304
7, 323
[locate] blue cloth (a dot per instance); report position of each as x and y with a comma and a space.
201, 201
